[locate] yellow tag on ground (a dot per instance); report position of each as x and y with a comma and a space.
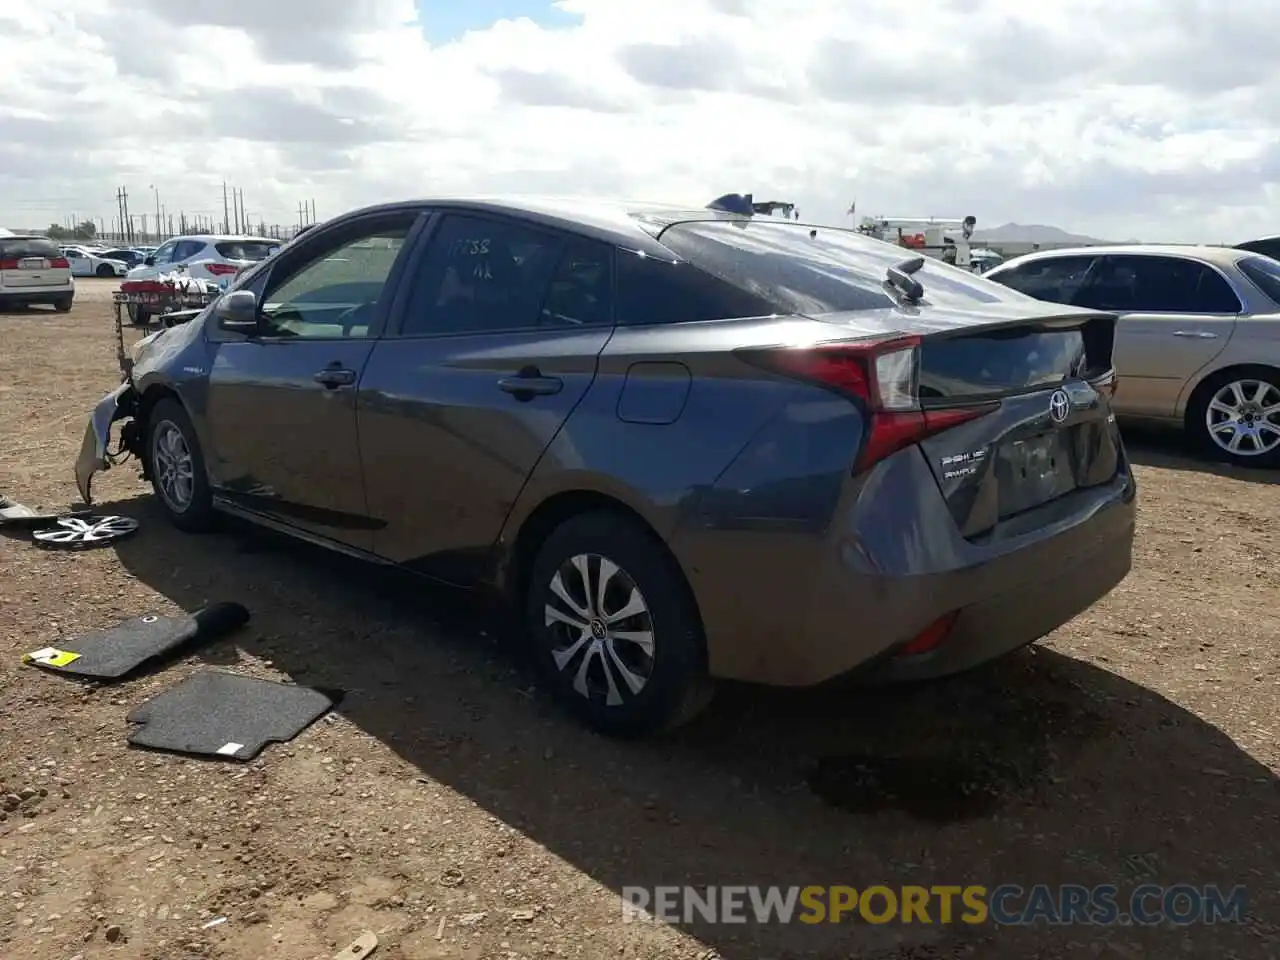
52, 657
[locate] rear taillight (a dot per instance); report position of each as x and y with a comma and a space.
883, 378
221, 269
59, 263
8, 264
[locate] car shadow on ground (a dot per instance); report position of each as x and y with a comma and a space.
1037, 769
1167, 448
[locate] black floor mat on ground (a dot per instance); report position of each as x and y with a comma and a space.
219, 714
120, 650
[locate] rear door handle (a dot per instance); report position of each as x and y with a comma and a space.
531, 383
335, 377
1196, 334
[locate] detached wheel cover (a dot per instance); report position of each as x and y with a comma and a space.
85, 532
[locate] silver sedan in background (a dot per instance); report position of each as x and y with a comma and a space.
1198, 341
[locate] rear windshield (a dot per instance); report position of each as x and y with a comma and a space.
808, 270
254, 250
15, 248
1265, 274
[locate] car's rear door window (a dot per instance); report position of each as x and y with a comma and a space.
483, 275
1149, 283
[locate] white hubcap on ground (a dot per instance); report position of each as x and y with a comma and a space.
601, 629
1243, 418
175, 472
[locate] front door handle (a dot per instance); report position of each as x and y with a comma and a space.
530, 383
335, 377
1196, 334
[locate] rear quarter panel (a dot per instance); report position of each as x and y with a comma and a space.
668, 412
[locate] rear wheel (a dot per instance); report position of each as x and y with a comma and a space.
63, 305
104, 270
615, 632
176, 465
1235, 416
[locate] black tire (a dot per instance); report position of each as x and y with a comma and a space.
198, 515
63, 305
104, 270
1198, 409
676, 685
138, 316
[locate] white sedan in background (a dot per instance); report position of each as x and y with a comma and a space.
90, 263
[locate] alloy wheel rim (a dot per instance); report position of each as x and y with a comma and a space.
601, 629
1243, 418
175, 470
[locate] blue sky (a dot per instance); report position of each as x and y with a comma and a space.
445, 20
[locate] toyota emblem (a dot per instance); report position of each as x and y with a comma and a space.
1059, 406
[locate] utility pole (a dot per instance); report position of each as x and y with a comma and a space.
226, 211
128, 220
244, 219
313, 209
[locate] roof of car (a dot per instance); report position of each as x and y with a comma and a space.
1221, 256
627, 223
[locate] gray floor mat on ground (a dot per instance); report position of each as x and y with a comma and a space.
218, 714
118, 651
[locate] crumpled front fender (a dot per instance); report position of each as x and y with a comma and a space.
116, 405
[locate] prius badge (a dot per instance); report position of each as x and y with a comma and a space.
1059, 406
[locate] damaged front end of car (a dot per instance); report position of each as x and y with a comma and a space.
122, 403
96, 454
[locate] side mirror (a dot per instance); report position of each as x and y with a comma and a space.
149, 261
237, 311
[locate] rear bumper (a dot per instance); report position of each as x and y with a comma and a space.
804, 610
43, 294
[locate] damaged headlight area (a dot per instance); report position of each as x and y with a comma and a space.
140, 346
96, 454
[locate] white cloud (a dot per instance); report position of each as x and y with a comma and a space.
1151, 118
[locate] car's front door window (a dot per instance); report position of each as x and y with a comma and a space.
335, 292
1053, 279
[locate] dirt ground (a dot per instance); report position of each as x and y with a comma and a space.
449, 808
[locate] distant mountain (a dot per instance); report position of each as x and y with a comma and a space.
1035, 233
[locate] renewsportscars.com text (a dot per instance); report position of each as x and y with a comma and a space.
1003, 905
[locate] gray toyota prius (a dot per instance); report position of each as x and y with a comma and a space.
685, 444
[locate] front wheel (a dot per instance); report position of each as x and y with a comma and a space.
63, 305
1235, 417
177, 470
105, 270
616, 635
